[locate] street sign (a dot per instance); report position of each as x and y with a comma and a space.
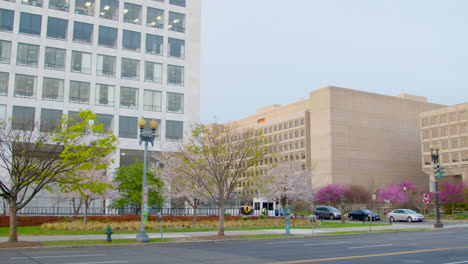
426, 198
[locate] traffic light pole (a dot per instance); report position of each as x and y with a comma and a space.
437, 224
438, 172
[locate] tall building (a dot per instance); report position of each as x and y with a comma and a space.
122, 59
346, 136
447, 129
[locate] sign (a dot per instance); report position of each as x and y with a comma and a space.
426, 198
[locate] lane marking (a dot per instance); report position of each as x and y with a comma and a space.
272, 243
63, 256
457, 262
117, 261
367, 256
331, 243
44, 252
386, 245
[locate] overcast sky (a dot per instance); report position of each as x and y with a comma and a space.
261, 52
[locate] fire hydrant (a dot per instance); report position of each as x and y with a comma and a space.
109, 234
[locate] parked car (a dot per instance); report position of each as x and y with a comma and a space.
405, 215
327, 212
363, 214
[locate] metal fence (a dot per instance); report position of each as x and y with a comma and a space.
70, 211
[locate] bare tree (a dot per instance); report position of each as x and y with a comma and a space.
33, 160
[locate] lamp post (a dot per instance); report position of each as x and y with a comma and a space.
435, 161
142, 236
406, 196
287, 219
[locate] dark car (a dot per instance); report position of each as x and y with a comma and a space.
327, 212
363, 214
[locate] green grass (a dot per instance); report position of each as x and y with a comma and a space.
101, 242
36, 231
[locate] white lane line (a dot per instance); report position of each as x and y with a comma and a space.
45, 252
286, 242
104, 262
386, 245
466, 261
334, 243
62, 256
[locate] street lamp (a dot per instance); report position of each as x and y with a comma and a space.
406, 196
142, 236
435, 161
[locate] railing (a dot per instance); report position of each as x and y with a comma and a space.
70, 211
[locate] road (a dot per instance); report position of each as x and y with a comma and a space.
442, 246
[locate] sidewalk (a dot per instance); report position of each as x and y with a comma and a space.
305, 232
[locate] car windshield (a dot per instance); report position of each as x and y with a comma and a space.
410, 211
333, 210
367, 211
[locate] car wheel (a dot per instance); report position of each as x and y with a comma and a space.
367, 218
351, 218
332, 217
392, 219
410, 219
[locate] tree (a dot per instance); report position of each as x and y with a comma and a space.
223, 155
286, 180
451, 194
331, 194
129, 184
182, 182
397, 194
34, 160
356, 194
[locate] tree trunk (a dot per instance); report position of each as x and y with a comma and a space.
221, 220
13, 236
85, 218
195, 214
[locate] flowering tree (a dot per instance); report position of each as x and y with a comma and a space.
286, 179
451, 194
331, 194
181, 182
397, 193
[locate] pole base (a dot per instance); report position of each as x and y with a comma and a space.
142, 237
438, 225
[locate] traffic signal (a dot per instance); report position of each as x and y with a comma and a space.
439, 170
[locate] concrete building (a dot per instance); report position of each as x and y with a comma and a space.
122, 59
347, 137
446, 128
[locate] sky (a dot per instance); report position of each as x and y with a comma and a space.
256, 53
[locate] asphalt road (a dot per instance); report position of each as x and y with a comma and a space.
447, 246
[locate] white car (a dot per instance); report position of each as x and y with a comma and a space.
404, 215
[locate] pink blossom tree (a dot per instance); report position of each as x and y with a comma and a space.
396, 194
181, 182
286, 180
451, 193
331, 194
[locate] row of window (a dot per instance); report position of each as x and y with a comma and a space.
447, 144
457, 156
109, 9
81, 62
287, 136
444, 118
23, 118
279, 127
79, 92
445, 131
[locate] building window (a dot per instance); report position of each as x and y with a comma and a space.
153, 72
57, 28
175, 103
155, 18
52, 89
174, 130
128, 127
107, 37
129, 97
130, 69
84, 7
106, 121
154, 44
79, 92
5, 51
54, 59
152, 100
83, 32
452, 117
443, 119
81, 62
177, 2
175, 75
105, 94
109, 9
3, 117
28, 55
455, 157
464, 128
25, 86
6, 19
50, 119
435, 120
131, 40
30, 24
176, 22
23, 118
62, 5
32, 2
106, 65
4, 77
454, 143
176, 48
463, 115
132, 13
464, 155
